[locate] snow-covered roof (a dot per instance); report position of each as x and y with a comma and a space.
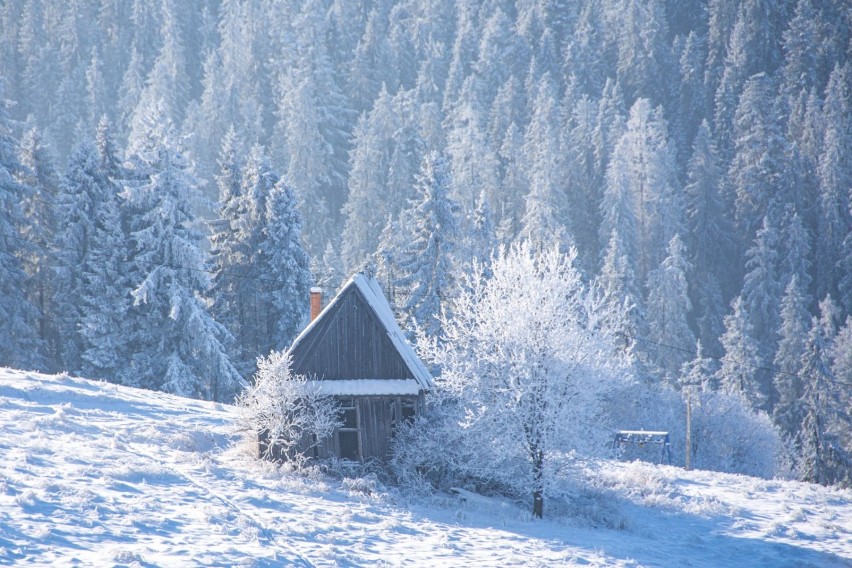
375, 299
368, 387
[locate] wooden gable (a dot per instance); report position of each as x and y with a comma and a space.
351, 340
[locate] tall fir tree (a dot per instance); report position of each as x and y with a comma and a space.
834, 237
762, 290
425, 267
285, 267
741, 363
546, 218
668, 308
795, 322
642, 172
824, 459
105, 299
39, 261
176, 345
20, 345
80, 195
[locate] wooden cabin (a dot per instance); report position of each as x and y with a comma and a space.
357, 353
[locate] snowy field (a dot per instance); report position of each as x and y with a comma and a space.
94, 474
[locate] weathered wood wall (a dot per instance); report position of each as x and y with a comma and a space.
349, 342
377, 418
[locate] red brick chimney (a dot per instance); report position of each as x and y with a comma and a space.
316, 302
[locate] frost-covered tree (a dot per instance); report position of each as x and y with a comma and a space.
312, 113
698, 374
834, 171
546, 217
167, 83
796, 257
759, 173
258, 178
425, 266
707, 214
824, 460
105, 297
369, 200
667, 311
80, 194
762, 289
474, 165
617, 282
481, 239
525, 363
642, 172
741, 362
39, 208
19, 342
285, 410
176, 345
285, 267
795, 326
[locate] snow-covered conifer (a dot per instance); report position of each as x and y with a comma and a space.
425, 267
795, 326
105, 296
285, 267
762, 290
667, 311
19, 342
40, 256
824, 459
176, 345
741, 362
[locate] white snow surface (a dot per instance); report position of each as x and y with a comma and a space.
95, 474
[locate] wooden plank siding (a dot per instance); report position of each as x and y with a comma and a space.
349, 343
377, 419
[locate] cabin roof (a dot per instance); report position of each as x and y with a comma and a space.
356, 342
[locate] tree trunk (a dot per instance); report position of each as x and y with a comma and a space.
538, 482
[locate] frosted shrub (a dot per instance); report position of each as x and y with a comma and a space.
287, 411
727, 435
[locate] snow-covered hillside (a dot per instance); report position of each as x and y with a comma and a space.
96, 474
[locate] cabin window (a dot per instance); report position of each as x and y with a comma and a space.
348, 435
402, 411
409, 411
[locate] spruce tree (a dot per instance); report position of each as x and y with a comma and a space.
824, 459
105, 297
795, 326
741, 362
668, 308
176, 345
19, 342
285, 267
426, 264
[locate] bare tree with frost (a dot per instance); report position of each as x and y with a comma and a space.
526, 362
285, 409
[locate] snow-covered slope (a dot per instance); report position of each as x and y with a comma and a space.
95, 474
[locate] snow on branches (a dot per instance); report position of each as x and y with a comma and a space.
526, 362
289, 412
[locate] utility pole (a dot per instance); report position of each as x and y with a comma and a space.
688, 429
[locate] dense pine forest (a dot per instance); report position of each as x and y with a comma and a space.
174, 176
